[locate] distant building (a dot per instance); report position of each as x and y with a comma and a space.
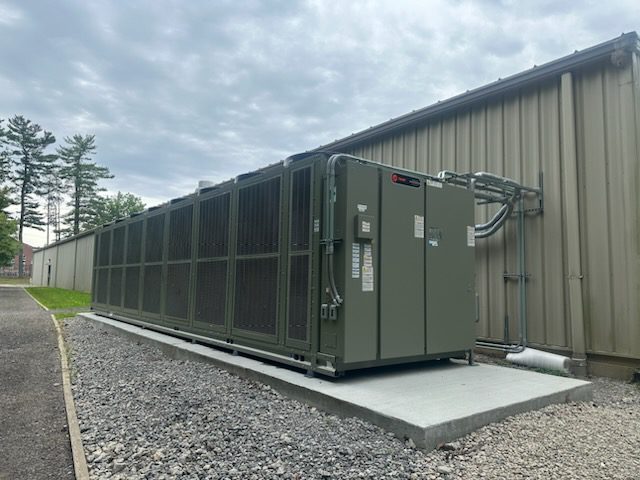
13, 269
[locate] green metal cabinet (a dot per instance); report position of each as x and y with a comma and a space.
244, 265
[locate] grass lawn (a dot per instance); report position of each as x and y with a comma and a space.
14, 280
58, 298
60, 316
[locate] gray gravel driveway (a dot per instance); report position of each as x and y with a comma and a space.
34, 443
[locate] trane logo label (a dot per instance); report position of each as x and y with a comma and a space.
405, 180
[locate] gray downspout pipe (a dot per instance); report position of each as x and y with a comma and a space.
573, 246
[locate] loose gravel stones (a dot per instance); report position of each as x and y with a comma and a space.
143, 415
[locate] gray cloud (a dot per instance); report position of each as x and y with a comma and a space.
178, 91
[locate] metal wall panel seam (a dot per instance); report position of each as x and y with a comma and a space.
626, 178
635, 65
55, 279
594, 216
614, 166
570, 166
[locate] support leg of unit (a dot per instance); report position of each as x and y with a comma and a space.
471, 358
234, 353
193, 340
309, 374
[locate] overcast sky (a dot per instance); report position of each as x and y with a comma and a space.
177, 91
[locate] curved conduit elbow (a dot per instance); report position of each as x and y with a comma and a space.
485, 230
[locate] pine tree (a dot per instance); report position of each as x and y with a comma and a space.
8, 228
26, 143
4, 155
53, 190
82, 175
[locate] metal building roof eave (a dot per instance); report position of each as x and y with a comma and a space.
66, 240
626, 42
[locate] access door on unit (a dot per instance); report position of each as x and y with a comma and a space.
450, 281
402, 325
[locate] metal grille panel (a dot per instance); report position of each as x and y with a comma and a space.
105, 245
256, 295
300, 209
214, 227
211, 292
259, 218
94, 287
180, 222
154, 242
131, 287
96, 250
117, 252
134, 242
298, 297
103, 285
177, 298
115, 291
152, 288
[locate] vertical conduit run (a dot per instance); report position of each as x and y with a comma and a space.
522, 273
573, 246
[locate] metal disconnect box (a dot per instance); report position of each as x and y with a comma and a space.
324, 262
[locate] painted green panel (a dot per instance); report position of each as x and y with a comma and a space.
402, 321
358, 317
450, 282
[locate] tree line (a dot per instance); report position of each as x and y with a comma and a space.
38, 181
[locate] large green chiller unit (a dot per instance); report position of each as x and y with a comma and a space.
324, 262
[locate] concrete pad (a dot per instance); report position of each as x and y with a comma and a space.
430, 403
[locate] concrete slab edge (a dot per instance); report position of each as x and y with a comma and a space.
77, 449
449, 431
180, 349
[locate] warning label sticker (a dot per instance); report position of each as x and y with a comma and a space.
367, 268
471, 236
418, 226
355, 260
433, 183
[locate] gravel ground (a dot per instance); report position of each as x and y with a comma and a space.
145, 416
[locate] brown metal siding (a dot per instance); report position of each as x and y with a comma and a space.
518, 136
71, 264
607, 149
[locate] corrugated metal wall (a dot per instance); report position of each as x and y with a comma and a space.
66, 265
519, 136
37, 268
84, 263
71, 264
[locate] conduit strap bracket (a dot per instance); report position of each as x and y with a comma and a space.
508, 276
